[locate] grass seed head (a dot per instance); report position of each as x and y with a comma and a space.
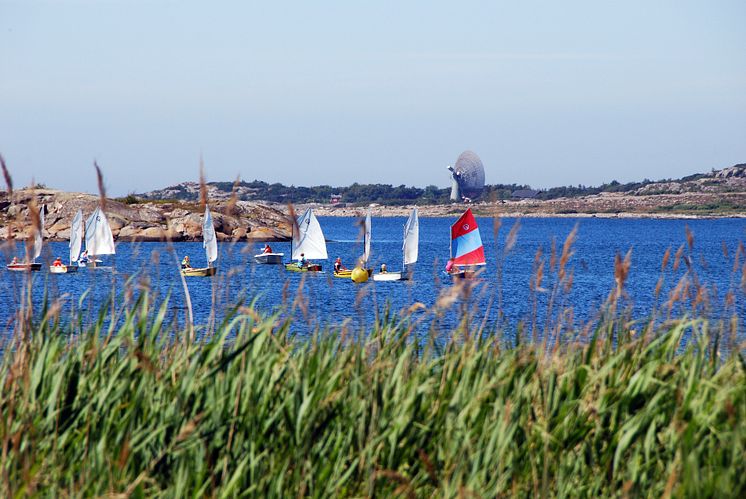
234, 197
202, 184
101, 186
666, 258
677, 258
512, 238
8, 178
689, 237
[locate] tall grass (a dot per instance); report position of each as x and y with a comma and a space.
249, 411
128, 402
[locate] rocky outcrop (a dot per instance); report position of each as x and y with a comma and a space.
736, 171
727, 180
147, 221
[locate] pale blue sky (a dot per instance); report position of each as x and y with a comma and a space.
547, 93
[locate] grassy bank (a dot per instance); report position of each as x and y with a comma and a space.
141, 410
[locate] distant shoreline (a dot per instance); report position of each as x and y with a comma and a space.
258, 221
497, 209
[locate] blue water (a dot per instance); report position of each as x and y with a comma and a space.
329, 300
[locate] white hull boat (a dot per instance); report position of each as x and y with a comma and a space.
210, 244
388, 276
410, 250
63, 269
269, 258
76, 242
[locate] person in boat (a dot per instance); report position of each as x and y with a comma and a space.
338, 267
302, 262
185, 263
83, 257
449, 266
267, 249
384, 270
14, 261
57, 262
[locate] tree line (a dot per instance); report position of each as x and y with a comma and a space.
393, 195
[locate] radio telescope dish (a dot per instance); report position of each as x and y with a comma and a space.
468, 177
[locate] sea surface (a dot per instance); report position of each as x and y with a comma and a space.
502, 296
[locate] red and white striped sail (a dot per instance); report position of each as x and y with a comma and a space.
466, 243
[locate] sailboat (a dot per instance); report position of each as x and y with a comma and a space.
308, 243
17, 266
76, 242
210, 243
410, 249
98, 238
363, 264
467, 250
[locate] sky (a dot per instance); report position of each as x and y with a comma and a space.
547, 93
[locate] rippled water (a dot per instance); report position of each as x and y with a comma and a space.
331, 300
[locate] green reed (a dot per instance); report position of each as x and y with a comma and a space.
138, 410
124, 401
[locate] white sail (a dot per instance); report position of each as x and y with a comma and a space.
39, 236
411, 238
308, 238
98, 237
366, 238
76, 236
209, 241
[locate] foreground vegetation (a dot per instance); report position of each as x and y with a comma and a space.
141, 409
126, 402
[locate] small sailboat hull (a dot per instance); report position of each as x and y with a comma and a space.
389, 276
292, 267
93, 265
269, 258
24, 267
464, 274
347, 274
205, 272
63, 269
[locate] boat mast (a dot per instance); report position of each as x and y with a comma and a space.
404, 249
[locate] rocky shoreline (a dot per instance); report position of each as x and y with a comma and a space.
149, 221
253, 221
605, 205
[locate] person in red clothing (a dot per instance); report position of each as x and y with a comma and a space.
338, 267
449, 265
57, 262
267, 249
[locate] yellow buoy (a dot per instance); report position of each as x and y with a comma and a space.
359, 275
